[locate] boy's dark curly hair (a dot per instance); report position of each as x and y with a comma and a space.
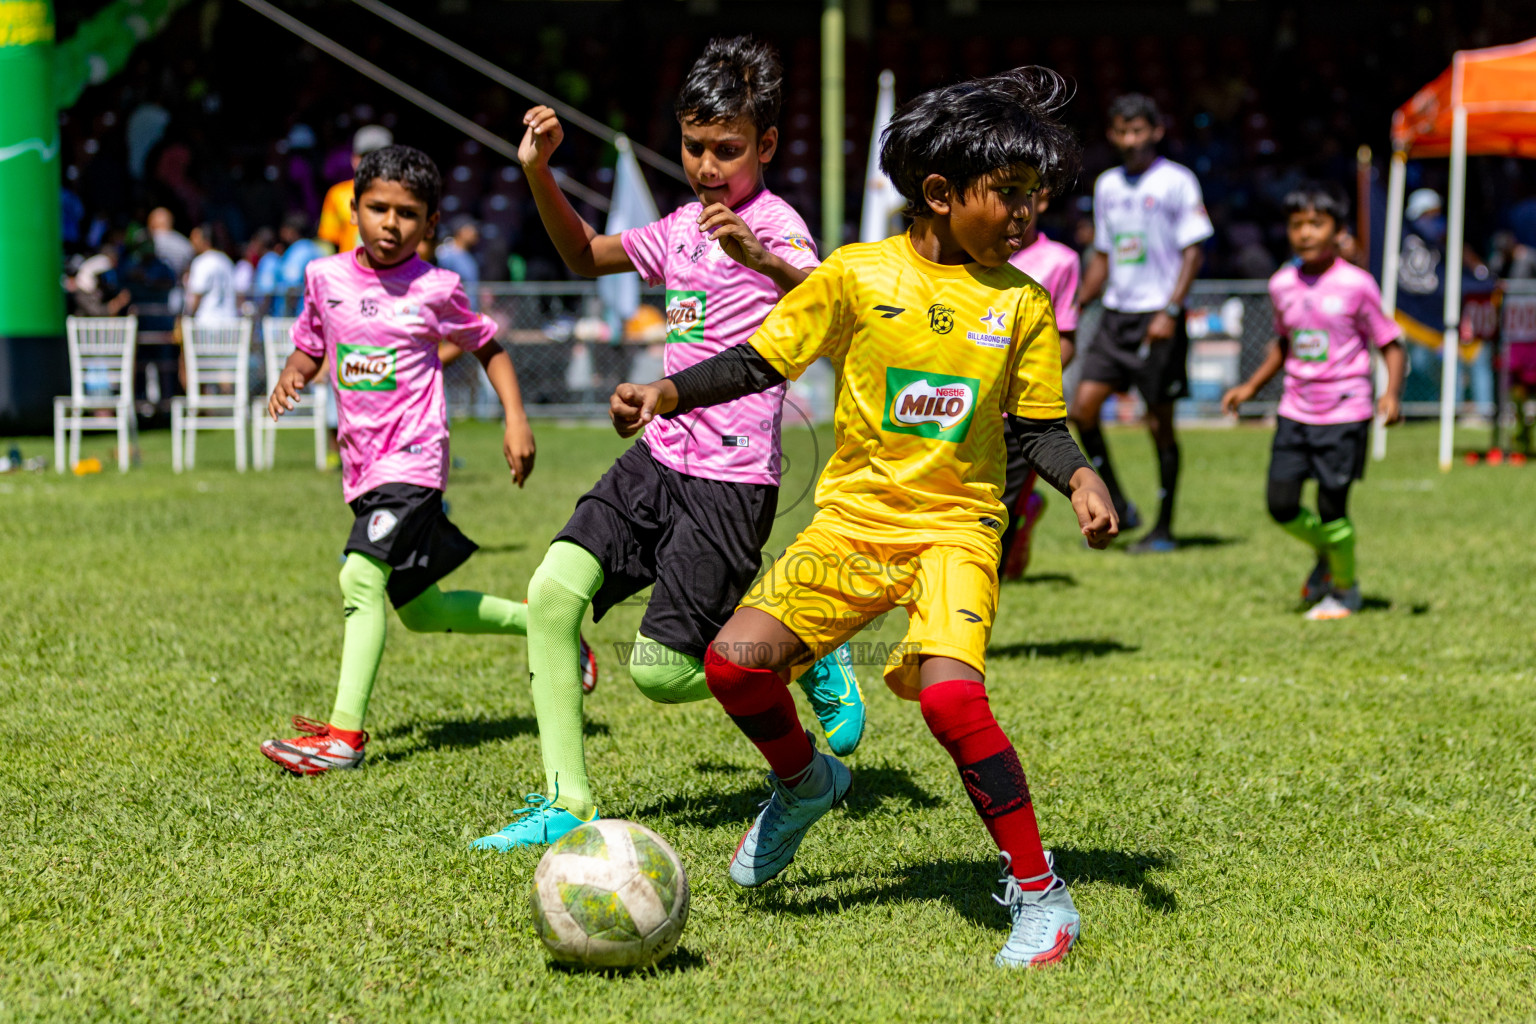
405, 164
733, 78
988, 124
1324, 197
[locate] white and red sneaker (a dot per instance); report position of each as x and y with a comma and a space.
319, 750
588, 661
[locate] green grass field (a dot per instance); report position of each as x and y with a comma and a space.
1261, 818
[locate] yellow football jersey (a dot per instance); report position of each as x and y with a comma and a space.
928, 358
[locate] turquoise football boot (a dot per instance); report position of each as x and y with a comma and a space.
537, 824
835, 696
771, 843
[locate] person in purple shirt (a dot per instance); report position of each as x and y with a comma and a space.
1328, 318
688, 508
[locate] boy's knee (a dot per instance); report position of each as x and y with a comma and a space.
418, 614
664, 675
362, 577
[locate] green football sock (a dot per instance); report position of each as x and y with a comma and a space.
363, 580
664, 675
464, 611
1307, 528
1339, 538
558, 595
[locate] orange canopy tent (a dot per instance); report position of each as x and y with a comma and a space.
1484, 104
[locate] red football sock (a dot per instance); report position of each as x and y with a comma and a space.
960, 717
355, 740
759, 703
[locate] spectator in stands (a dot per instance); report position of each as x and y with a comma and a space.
1421, 300
256, 250
149, 281
336, 224
96, 287
298, 252
457, 253
210, 279
170, 245
173, 249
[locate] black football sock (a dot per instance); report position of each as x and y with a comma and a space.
1168, 481
1098, 456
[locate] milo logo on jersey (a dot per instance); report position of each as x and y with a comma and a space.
365, 368
1130, 247
937, 406
685, 316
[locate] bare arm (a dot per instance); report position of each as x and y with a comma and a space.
739, 243
300, 369
1274, 359
1388, 406
1162, 326
1068, 348
584, 250
517, 437
1094, 279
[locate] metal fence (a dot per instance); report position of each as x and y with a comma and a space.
570, 352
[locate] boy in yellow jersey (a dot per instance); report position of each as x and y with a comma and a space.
934, 336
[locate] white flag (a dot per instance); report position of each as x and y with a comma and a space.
882, 202
632, 207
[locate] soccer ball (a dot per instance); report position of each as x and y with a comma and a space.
610, 894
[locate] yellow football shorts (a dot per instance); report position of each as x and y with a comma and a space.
827, 586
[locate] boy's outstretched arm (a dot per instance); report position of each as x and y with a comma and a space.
300, 369
517, 437
584, 250
1047, 446
1389, 405
1274, 359
725, 376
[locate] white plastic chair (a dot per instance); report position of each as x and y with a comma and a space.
276, 344
218, 357
101, 350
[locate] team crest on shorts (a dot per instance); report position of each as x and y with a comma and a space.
380, 523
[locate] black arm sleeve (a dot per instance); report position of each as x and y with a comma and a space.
1048, 446
737, 371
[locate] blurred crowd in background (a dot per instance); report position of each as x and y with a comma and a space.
222, 140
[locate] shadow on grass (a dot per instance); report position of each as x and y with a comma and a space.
873, 789
1057, 579
459, 734
500, 549
1071, 650
969, 885
1205, 540
681, 959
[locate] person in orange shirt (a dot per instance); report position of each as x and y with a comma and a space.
336, 224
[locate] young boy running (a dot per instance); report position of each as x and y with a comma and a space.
934, 336
1056, 268
1149, 224
376, 316
689, 507
1327, 317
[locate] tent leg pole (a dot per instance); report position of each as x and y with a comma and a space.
1455, 229
1391, 256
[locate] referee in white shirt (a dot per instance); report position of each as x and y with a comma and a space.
1149, 222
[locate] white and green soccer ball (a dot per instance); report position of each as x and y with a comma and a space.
610, 894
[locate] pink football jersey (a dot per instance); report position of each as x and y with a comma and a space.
1331, 321
713, 303
1056, 268
378, 331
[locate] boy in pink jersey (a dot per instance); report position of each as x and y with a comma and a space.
1057, 268
376, 316
688, 508
1327, 318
